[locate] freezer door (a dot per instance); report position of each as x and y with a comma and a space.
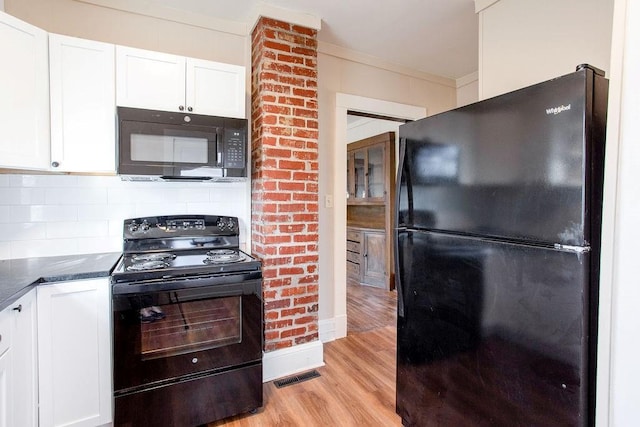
491, 333
524, 165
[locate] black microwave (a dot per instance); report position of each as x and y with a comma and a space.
164, 145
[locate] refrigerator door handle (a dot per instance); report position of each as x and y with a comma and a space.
402, 153
397, 270
570, 248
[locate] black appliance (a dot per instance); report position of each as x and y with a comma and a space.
187, 322
164, 145
497, 258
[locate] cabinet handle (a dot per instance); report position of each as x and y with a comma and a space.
181, 108
55, 164
190, 108
18, 308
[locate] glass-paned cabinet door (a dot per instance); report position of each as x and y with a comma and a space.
350, 181
375, 173
359, 167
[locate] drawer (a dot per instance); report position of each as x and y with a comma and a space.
353, 270
353, 257
354, 235
5, 329
353, 246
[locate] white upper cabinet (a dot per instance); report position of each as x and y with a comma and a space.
215, 88
82, 77
24, 104
160, 81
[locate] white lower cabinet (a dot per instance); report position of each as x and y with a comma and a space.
6, 399
24, 346
18, 364
74, 347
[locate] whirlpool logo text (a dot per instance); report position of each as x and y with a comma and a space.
559, 109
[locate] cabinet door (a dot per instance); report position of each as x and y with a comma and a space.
359, 174
374, 258
74, 353
82, 77
375, 173
24, 103
151, 80
25, 362
214, 88
6, 398
6, 407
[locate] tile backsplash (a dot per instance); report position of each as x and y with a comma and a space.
48, 215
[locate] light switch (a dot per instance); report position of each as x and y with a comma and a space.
328, 201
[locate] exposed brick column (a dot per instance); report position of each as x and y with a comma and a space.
284, 194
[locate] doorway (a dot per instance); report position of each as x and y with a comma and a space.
356, 104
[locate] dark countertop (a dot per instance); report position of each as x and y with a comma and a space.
18, 276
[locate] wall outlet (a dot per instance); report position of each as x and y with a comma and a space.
328, 201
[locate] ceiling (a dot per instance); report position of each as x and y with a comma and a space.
434, 36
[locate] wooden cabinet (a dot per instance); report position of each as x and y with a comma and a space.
354, 257
367, 172
24, 103
366, 257
18, 364
82, 83
160, 81
74, 353
374, 262
370, 205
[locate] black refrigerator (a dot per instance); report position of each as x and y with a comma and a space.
497, 254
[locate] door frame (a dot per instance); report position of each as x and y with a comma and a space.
345, 103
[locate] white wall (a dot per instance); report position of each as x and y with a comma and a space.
523, 42
342, 72
622, 189
467, 89
47, 215
84, 20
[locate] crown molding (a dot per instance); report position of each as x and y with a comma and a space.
174, 15
483, 4
468, 79
263, 10
362, 58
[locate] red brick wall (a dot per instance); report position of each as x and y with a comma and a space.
284, 194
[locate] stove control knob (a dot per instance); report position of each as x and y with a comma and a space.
133, 227
221, 225
231, 225
144, 227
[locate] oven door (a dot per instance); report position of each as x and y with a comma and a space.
164, 336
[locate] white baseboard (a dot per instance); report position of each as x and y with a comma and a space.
327, 330
332, 329
341, 326
289, 361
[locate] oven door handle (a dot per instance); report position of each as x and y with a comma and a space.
222, 285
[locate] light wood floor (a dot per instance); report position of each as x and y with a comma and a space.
357, 383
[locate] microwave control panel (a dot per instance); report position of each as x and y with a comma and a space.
234, 149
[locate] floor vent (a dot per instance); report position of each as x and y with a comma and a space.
296, 379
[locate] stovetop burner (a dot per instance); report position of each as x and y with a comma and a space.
147, 265
223, 256
163, 256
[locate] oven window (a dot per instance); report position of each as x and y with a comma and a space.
180, 327
169, 149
